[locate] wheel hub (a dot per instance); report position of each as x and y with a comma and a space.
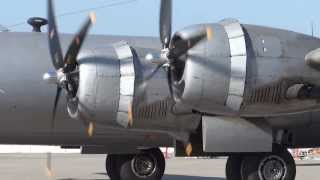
272, 168
144, 165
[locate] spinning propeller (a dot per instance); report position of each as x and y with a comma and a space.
66, 74
174, 48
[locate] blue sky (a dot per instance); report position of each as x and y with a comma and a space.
141, 16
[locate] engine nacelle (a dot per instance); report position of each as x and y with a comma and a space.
248, 71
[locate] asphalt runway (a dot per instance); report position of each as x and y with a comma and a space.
91, 167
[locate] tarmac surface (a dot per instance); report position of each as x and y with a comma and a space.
91, 167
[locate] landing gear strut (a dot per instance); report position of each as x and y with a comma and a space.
278, 165
147, 165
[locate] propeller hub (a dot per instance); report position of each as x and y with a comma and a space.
50, 77
164, 53
55, 77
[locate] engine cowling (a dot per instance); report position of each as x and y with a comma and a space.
212, 78
96, 101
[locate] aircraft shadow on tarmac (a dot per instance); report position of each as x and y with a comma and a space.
166, 177
180, 177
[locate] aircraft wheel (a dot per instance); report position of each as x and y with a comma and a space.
147, 165
278, 165
111, 163
233, 167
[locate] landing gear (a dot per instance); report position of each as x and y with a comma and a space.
147, 165
278, 165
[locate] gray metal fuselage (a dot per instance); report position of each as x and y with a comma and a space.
274, 56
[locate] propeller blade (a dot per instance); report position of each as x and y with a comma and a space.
49, 164
182, 43
90, 129
169, 72
189, 149
165, 22
154, 72
53, 38
56, 101
73, 51
146, 80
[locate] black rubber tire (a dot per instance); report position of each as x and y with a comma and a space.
126, 171
233, 167
111, 167
161, 160
249, 167
250, 164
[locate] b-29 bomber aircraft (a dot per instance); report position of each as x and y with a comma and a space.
223, 89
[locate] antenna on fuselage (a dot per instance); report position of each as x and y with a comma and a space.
37, 23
